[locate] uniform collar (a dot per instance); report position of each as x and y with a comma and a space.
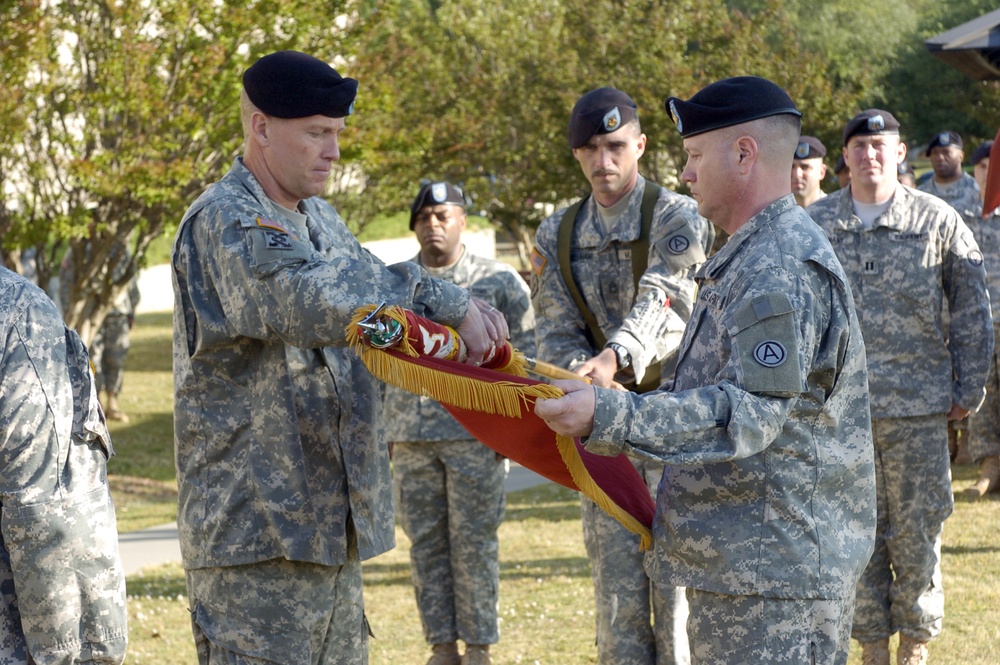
716, 264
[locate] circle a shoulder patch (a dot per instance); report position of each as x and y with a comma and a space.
770, 353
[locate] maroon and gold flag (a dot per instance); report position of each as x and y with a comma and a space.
495, 403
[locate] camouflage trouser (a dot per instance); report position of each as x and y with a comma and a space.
736, 630
985, 425
638, 622
279, 612
108, 351
900, 590
450, 502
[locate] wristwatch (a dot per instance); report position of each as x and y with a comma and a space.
622, 357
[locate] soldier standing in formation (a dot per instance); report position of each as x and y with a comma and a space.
984, 444
959, 190
449, 488
808, 170
907, 254
950, 183
110, 345
612, 290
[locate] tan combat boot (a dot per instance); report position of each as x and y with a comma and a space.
113, 412
445, 654
875, 653
989, 478
911, 651
476, 654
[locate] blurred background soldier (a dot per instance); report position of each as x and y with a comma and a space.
950, 183
448, 487
62, 585
906, 253
111, 344
808, 170
959, 190
110, 347
842, 172
984, 444
905, 174
612, 288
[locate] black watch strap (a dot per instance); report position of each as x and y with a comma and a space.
622, 357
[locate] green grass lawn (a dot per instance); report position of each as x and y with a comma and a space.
546, 598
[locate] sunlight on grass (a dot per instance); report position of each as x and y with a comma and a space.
546, 597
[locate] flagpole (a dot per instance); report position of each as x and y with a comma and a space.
550, 371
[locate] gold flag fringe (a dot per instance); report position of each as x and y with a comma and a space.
593, 491
501, 397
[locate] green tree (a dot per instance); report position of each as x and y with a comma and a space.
19, 38
127, 110
928, 96
480, 93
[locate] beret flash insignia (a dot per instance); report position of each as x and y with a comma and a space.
612, 119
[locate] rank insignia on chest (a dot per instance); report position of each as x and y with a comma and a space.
870, 268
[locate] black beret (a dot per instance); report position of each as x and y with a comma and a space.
289, 84
943, 139
600, 111
841, 164
870, 121
982, 152
434, 194
728, 102
809, 147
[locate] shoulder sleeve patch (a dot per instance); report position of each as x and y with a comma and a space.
766, 346
537, 261
272, 245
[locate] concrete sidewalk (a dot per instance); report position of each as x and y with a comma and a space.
158, 545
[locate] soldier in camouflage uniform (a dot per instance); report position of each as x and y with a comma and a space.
905, 173
62, 585
641, 323
984, 444
448, 486
950, 183
842, 172
908, 254
766, 512
110, 347
808, 170
282, 470
111, 344
959, 190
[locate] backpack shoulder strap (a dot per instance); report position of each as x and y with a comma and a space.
564, 242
